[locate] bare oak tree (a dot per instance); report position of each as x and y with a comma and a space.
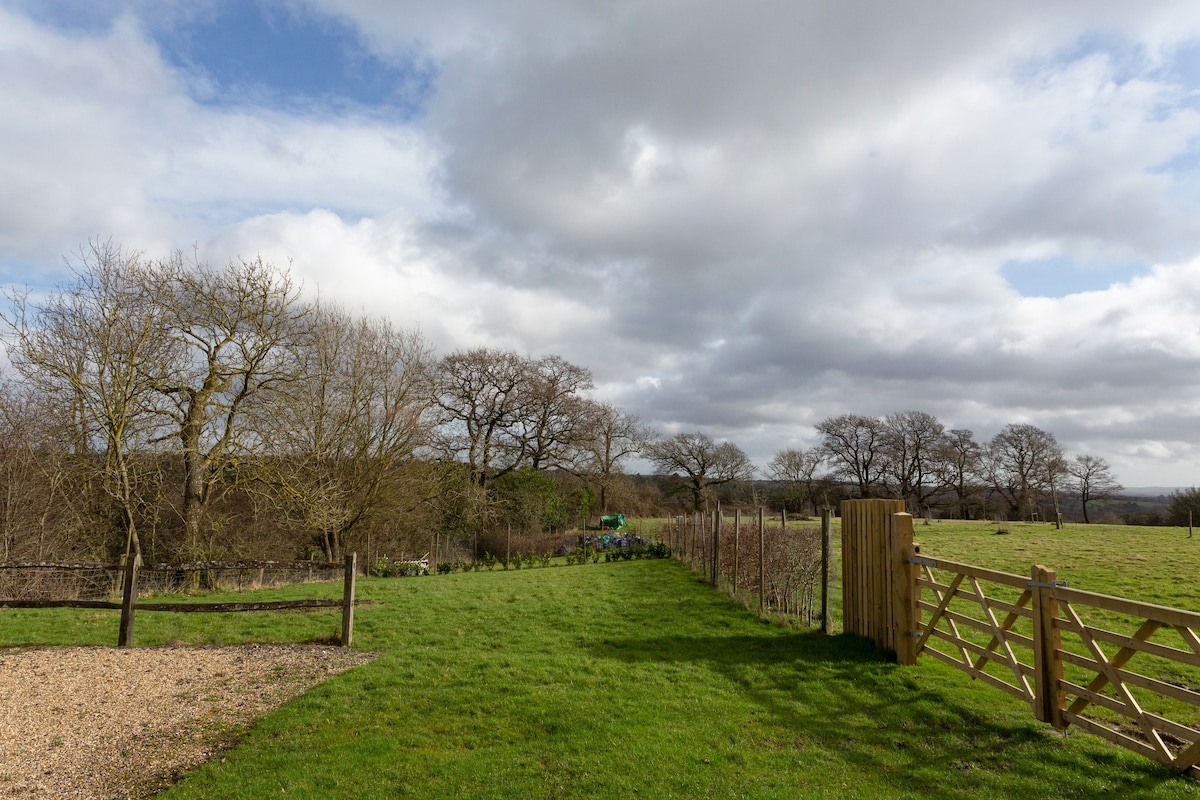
1092, 479
704, 463
911, 445
960, 466
228, 330
478, 393
1025, 464
551, 419
854, 444
797, 470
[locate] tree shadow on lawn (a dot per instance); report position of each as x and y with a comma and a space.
841, 694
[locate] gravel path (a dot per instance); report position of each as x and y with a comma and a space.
105, 723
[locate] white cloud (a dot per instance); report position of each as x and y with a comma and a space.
829, 190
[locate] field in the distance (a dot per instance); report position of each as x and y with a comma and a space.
1153, 565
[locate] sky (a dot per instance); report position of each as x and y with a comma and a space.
743, 218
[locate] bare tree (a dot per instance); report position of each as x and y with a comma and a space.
228, 330
854, 444
1025, 463
551, 419
610, 436
797, 470
703, 462
1093, 481
344, 434
960, 467
86, 345
478, 392
911, 442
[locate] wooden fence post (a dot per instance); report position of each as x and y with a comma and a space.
762, 575
737, 538
128, 600
826, 546
348, 599
716, 546
1047, 667
904, 590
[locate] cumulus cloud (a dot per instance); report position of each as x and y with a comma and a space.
742, 219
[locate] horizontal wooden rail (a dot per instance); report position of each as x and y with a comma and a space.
1133, 608
970, 571
191, 566
272, 605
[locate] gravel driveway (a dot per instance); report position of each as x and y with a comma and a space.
99, 722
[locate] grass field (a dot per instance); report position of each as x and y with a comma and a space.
1154, 565
621, 680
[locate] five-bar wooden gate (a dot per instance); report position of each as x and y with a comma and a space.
1068, 653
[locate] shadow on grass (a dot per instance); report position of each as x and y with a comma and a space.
937, 732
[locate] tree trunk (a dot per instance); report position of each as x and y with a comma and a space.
194, 477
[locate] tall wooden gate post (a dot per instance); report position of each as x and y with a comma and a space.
128, 600
1047, 666
904, 590
348, 599
867, 572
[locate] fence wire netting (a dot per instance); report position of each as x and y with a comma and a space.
783, 574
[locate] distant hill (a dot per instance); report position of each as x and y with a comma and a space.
1150, 491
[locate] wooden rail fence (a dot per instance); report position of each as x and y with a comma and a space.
129, 605
1068, 653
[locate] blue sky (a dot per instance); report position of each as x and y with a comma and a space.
743, 220
259, 53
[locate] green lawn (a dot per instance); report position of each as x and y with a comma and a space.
615, 680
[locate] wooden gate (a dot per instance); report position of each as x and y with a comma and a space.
1064, 651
